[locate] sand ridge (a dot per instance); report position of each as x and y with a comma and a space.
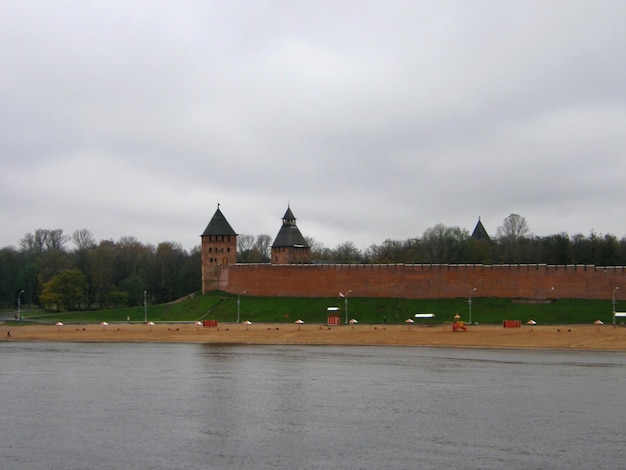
575, 337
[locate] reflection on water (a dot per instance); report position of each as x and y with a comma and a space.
138, 406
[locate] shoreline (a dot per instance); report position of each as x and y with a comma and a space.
566, 337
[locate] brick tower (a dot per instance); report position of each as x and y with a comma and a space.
290, 247
219, 249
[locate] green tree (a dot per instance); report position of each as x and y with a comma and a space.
10, 282
391, 251
65, 290
101, 270
444, 244
169, 260
318, 251
134, 287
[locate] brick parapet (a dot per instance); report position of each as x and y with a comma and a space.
531, 281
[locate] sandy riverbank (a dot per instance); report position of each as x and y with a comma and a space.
586, 337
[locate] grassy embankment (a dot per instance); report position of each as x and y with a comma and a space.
223, 307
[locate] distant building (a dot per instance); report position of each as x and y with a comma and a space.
290, 247
481, 244
480, 233
219, 248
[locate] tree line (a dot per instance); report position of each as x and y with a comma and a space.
512, 244
45, 271
59, 271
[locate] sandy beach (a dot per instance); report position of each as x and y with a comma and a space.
575, 337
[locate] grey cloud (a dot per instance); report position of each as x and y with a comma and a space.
375, 120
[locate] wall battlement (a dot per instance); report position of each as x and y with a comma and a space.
531, 281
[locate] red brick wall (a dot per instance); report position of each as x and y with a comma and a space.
423, 281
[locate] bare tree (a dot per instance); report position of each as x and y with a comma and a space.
513, 228
263, 245
348, 253
391, 251
43, 240
511, 236
83, 239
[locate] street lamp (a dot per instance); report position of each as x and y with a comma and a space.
19, 304
145, 307
469, 302
239, 303
346, 302
614, 290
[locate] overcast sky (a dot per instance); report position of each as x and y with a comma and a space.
372, 119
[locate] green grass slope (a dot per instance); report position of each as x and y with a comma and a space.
223, 307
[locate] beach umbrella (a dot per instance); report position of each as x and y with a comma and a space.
409, 321
353, 321
598, 323
59, 325
531, 323
150, 325
104, 325
247, 323
198, 325
457, 317
299, 322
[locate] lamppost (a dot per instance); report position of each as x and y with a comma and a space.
469, 302
145, 307
19, 304
345, 297
614, 290
239, 303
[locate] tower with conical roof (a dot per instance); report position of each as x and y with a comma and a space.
480, 233
219, 248
480, 245
290, 247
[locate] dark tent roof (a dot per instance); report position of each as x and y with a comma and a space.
289, 215
480, 233
289, 234
218, 225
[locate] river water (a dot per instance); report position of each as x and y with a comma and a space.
199, 406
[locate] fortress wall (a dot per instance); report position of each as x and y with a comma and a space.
423, 281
